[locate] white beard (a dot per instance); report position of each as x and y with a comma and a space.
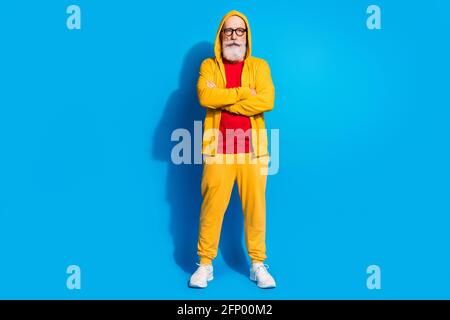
233, 53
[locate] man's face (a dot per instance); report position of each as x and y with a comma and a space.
234, 39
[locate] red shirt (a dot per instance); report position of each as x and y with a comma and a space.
233, 121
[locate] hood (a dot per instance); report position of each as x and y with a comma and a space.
218, 42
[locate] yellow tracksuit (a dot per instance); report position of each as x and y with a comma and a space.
220, 171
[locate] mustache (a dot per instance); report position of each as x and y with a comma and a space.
233, 44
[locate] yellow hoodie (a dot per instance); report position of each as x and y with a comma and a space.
255, 74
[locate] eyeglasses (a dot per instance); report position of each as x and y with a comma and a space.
239, 31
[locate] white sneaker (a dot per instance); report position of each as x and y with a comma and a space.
259, 273
201, 276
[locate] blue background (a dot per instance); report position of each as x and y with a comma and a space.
85, 172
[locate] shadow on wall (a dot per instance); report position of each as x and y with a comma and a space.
183, 181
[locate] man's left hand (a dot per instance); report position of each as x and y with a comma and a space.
210, 84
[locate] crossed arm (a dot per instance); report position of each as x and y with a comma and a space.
241, 100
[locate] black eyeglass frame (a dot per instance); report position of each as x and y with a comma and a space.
241, 33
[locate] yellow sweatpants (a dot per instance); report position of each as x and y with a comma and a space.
219, 174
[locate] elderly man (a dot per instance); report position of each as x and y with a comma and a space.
236, 89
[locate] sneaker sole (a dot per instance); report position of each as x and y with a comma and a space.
262, 287
201, 287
